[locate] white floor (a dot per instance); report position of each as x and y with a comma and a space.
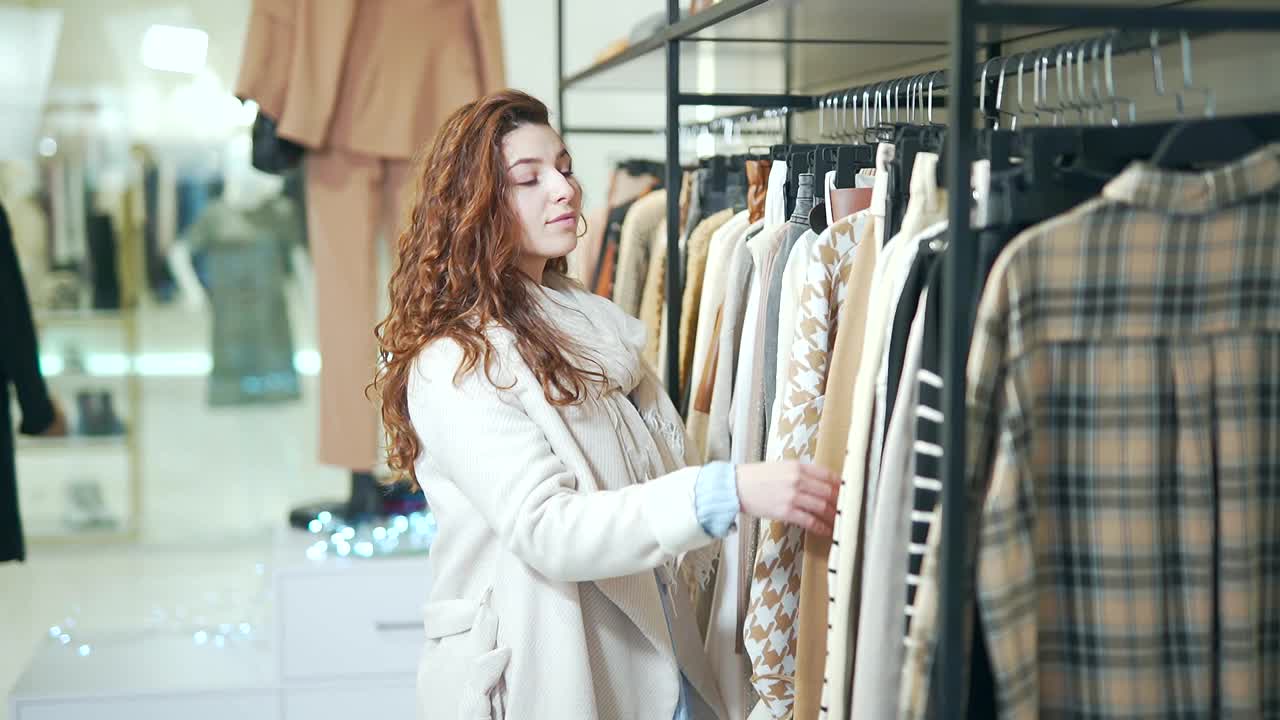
216, 482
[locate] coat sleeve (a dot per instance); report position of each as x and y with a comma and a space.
488, 29
482, 439
267, 58
19, 352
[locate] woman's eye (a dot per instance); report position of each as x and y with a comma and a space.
528, 183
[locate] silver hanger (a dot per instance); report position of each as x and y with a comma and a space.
918, 103
1157, 69
1077, 83
982, 92
1041, 80
932, 77
1022, 110
910, 105
1096, 104
847, 126
1000, 97
1111, 88
843, 131
1064, 98
1210, 98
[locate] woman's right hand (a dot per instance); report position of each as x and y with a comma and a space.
792, 492
57, 428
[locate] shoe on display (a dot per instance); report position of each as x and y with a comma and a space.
86, 509
97, 414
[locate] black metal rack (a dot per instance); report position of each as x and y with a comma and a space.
949, 674
974, 25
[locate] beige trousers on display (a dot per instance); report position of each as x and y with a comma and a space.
352, 200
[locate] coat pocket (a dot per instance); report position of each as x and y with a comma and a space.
461, 668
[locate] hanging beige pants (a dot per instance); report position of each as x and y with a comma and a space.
353, 201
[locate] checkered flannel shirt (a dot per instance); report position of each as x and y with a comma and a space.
1124, 425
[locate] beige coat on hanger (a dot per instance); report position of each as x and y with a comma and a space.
378, 82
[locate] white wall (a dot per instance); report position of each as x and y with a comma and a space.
530, 35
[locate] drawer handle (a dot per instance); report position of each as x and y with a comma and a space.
397, 626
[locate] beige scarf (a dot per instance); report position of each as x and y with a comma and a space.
654, 443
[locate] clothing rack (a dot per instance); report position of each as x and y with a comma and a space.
1130, 27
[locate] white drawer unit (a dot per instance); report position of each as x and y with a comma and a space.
340, 617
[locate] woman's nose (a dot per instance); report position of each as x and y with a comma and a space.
564, 189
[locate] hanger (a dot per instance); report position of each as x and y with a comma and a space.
797, 164
1157, 63
1212, 141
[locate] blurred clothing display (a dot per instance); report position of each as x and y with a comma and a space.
102, 262
362, 85
246, 254
29, 226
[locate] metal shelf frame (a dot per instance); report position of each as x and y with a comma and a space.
948, 686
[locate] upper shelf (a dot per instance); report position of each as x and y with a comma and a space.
753, 67
753, 45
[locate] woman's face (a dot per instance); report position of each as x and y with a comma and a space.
544, 195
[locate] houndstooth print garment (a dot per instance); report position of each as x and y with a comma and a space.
772, 625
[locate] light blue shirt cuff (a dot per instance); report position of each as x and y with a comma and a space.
715, 498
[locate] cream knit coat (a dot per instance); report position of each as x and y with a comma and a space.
544, 602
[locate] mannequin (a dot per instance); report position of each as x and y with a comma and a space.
321, 70
245, 237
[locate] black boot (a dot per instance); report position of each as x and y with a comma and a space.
363, 502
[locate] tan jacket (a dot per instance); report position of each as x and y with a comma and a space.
635, 245
375, 77
699, 248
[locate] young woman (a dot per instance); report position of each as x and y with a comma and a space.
549, 453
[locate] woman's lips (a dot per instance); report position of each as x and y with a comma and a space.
566, 218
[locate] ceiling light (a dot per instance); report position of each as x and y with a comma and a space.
175, 49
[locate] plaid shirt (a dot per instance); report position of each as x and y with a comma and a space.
1124, 425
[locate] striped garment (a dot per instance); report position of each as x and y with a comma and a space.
1124, 428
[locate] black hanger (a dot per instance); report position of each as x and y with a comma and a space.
1194, 144
1060, 168
797, 165
822, 161
637, 167
1041, 172
849, 159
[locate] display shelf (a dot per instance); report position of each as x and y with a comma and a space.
749, 66
1226, 15
809, 46
74, 443
79, 316
73, 358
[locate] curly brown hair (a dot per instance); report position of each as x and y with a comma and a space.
456, 272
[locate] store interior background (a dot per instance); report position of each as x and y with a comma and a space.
216, 483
